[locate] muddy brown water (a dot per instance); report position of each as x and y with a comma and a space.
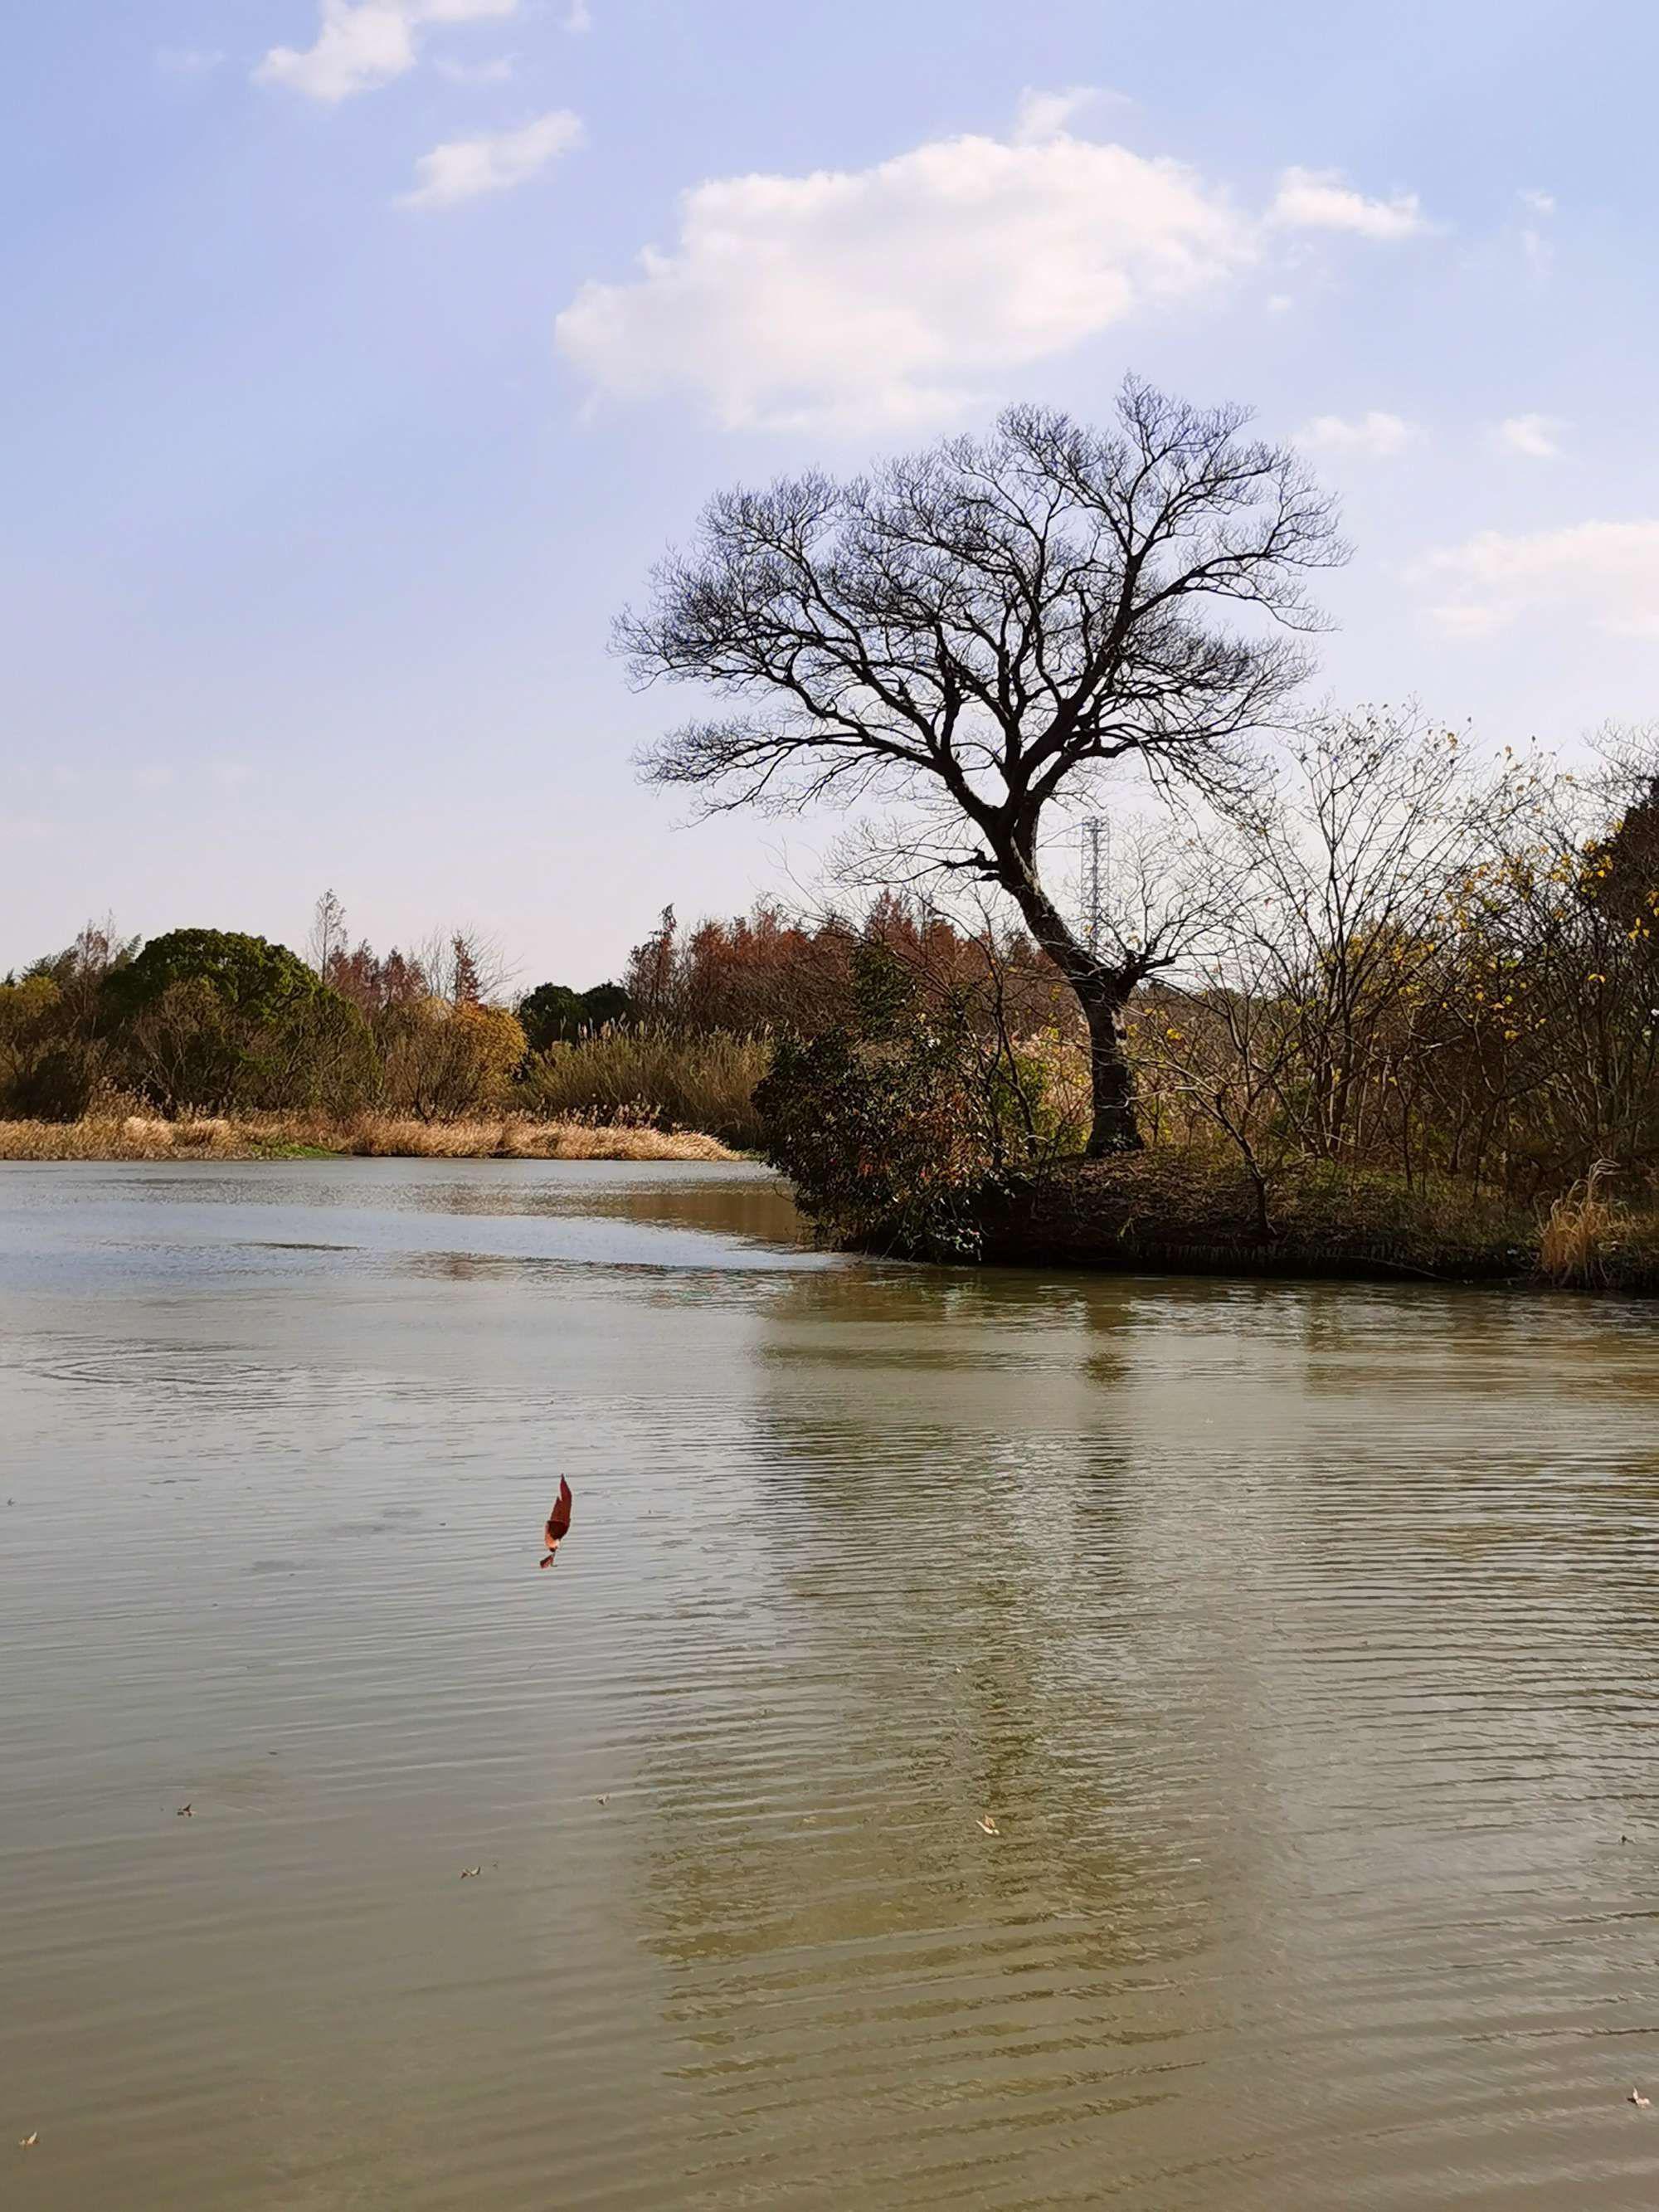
1300, 1642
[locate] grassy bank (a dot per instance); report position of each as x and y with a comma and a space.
1160, 1211
289, 1136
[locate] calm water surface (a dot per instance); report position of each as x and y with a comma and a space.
1300, 1640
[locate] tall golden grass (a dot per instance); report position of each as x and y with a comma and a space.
670, 1080
1582, 1233
259, 1136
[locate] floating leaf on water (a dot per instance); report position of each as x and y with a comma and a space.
989, 1825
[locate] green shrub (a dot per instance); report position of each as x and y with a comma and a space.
895, 1128
58, 1084
555, 1014
252, 979
211, 1020
48, 1071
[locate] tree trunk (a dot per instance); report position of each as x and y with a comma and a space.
1115, 1125
1102, 993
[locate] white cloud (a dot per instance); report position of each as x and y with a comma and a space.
1317, 199
362, 44
580, 18
1534, 435
464, 168
902, 294
1376, 435
1606, 573
357, 47
1540, 202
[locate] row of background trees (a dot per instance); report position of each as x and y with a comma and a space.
1393, 955
217, 1021
210, 1022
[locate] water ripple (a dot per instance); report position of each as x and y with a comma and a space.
1298, 1642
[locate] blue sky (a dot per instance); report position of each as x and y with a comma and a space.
339, 409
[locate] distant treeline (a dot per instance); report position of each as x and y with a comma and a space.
200, 1022
215, 1021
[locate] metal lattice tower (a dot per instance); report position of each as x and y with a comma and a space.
1097, 845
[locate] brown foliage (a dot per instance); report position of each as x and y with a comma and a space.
374, 983
441, 1061
767, 971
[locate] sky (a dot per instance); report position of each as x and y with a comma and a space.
362, 355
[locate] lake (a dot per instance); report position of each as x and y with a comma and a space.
1300, 1644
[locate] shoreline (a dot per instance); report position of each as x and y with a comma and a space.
1158, 1216
138, 1136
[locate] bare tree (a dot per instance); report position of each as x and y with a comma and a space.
649, 977
1353, 862
1357, 994
328, 933
988, 627
464, 965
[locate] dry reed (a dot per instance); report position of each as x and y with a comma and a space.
261, 1136
1582, 1233
654, 1075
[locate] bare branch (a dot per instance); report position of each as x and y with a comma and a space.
991, 625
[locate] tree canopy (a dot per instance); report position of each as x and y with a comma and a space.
554, 1013
250, 977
